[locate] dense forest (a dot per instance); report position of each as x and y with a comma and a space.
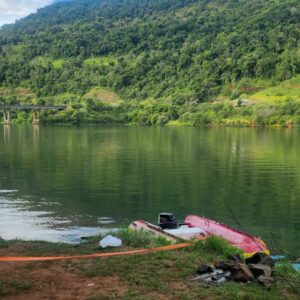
160, 59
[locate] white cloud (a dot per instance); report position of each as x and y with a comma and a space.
12, 10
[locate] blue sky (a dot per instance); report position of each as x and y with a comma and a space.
11, 10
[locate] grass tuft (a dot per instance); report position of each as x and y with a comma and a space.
220, 247
140, 239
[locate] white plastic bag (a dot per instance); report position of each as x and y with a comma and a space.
110, 241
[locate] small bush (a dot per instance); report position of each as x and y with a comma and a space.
162, 120
140, 238
220, 246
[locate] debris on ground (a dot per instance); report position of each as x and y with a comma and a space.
202, 269
259, 267
241, 273
261, 258
110, 241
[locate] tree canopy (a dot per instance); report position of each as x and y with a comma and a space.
151, 49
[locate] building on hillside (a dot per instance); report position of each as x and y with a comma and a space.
242, 102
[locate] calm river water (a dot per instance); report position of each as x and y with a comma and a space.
61, 183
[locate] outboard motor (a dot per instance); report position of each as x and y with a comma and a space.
167, 221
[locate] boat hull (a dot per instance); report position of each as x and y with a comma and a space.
249, 244
142, 225
183, 232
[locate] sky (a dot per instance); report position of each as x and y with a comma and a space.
12, 10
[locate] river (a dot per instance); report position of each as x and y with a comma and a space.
59, 183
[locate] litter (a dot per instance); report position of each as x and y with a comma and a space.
259, 267
296, 267
110, 241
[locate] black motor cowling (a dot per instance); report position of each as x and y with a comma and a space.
167, 221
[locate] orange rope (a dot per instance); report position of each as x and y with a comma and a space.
49, 258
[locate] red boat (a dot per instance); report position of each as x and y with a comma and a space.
196, 227
248, 243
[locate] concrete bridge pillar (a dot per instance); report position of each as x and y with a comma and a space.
6, 116
6, 129
36, 117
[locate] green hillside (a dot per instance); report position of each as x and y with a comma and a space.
172, 53
289, 89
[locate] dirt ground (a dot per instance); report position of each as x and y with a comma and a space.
55, 280
153, 276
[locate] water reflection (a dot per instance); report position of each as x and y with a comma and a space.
6, 133
36, 134
106, 177
21, 220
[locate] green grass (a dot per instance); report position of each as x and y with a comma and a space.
177, 123
57, 64
275, 94
294, 81
140, 239
101, 60
131, 239
159, 275
103, 95
21, 94
8, 287
218, 246
165, 274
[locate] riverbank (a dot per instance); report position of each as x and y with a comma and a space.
285, 113
161, 275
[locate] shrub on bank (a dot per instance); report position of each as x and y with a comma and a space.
151, 113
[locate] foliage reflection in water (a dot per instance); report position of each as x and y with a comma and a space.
104, 177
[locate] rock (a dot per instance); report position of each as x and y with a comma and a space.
260, 258
203, 269
236, 258
220, 274
266, 281
268, 261
260, 269
221, 280
225, 265
215, 278
241, 273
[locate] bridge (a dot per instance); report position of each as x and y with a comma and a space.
35, 108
